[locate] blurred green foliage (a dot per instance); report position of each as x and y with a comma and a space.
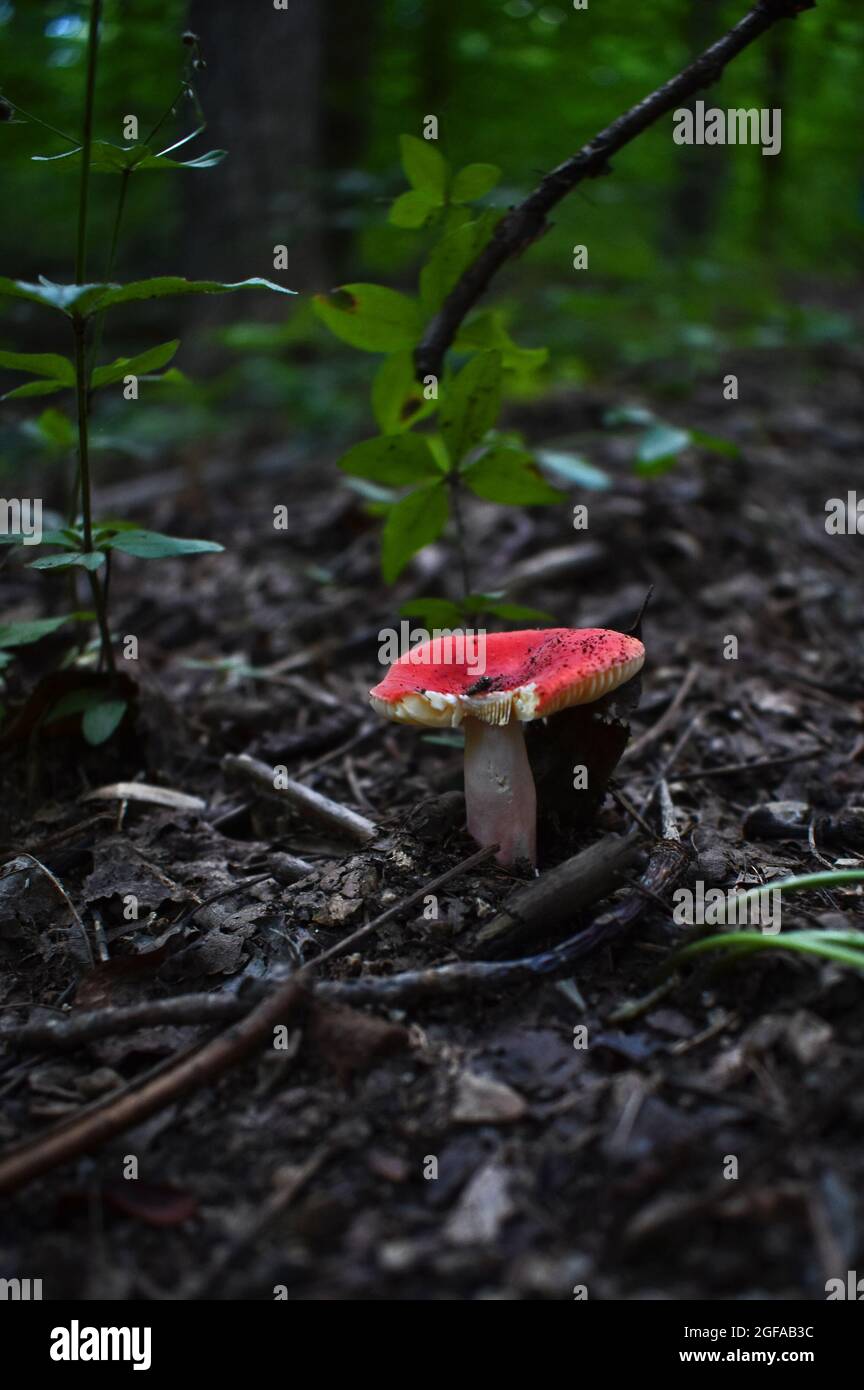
688, 255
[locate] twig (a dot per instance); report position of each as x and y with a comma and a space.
263, 1221
526, 222
665, 864
12, 867
58, 1146
667, 720
58, 837
672, 759
780, 761
82, 1134
310, 802
349, 942
565, 890
668, 825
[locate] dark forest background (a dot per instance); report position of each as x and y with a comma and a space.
689, 255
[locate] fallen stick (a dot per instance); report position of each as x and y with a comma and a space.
667, 720
79, 1135
665, 863
16, 866
349, 942
309, 802
153, 796
69, 1141
727, 769
559, 894
526, 222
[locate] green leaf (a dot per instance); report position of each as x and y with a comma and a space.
209, 160
83, 300
659, 447
411, 210
486, 330
513, 612
22, 634
379, 499
53, 427
36, 388
106, 158
397, 397
74, 703
504, 474
111, 526
52, 296
391, 459
83, 559
49, 364
716, 445
163, 286
435, 612
474, 181
413, 522
148, 361
471, 404
574, 469
627, 415
452, 255
152, 545
425, 167
101, 720
70, 538
371, 317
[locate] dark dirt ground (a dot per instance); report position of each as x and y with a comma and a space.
557, 1166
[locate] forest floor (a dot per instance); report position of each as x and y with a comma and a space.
311, 1168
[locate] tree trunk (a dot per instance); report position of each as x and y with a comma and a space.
260, 92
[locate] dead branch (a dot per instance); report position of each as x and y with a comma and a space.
289, 998
304, 799
526, 222
16, 866
69, 1141
554, 897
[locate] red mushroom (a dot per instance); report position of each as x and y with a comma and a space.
528, 675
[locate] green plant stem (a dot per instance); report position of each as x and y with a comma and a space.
118, 218
87, 140
184, 88
456, 501
37, 120
81, 396
830, 878
98, 329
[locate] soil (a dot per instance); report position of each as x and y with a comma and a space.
639, 1133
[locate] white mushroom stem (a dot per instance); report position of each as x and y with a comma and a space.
499, 790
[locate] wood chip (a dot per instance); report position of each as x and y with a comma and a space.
480, 1100
142, 791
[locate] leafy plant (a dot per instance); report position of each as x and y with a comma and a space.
843, 947
417, 479
659, 445
85, 544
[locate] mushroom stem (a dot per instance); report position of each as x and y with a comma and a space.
499, 790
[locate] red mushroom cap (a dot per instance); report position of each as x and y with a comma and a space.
526, 675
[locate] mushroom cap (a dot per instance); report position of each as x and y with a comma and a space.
528, 675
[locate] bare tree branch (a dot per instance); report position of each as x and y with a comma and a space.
526, 222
